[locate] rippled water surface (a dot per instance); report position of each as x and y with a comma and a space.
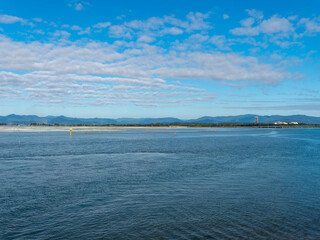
160, 184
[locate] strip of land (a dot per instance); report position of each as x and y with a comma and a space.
152, 127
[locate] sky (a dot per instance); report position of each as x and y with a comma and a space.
159, 58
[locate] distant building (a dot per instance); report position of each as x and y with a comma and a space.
286, 123
283, 123
256, 120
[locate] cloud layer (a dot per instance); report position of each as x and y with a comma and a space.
147, 62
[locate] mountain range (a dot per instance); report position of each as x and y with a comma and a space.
247, 118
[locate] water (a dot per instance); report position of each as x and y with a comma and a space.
155, 184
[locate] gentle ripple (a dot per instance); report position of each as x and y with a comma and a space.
140, 184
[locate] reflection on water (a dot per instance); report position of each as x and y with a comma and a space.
163, 184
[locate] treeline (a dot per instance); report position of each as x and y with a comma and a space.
230, 125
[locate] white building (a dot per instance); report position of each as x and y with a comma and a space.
279, 123
285, 123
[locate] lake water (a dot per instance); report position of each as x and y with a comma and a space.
160, 184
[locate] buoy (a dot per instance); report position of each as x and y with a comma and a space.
70, 132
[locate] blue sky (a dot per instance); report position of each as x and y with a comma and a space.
184, 59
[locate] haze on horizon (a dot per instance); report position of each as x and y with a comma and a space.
160, 58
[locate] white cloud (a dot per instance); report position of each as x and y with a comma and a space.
62, 34
197, 38
247, 22
292, 17
152, 23
102, 25
8, 19
276, 56
57, 71
159, 26
311, 25
297, 107
276, 24
255, 14
197, 21
76, 28
85, 31
245, 31
273, 25
45, 87
233, 85
38, 31
145, 38
220, 42
78, 6
171, 31
53, 24
39, 20
131, 69
120, 31
222, 67
122, 16
76, 74
192, 43
225, 16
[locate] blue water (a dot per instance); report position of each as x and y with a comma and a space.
142, 184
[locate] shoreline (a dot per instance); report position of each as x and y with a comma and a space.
114, 129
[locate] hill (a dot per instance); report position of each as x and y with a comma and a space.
62, 120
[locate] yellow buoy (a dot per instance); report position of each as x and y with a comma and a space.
70, 132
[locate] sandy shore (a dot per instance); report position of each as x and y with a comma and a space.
15, 128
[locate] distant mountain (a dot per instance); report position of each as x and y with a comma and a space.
147, 120
28, 119
225, 119
23, 119
262, 119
